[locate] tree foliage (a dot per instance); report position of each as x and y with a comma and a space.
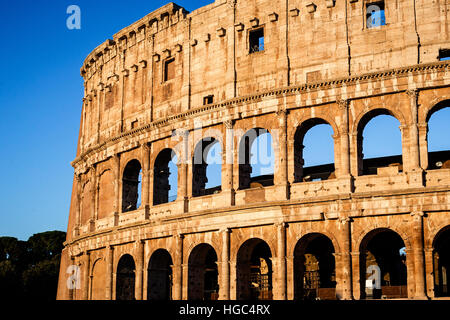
29, 269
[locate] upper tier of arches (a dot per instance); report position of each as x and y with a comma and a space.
193, 166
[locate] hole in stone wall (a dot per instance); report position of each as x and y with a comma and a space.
444, 54
375, 14
169, 69
256, 40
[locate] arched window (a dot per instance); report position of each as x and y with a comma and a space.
207, 168
441, 263
314, 151
165, 177
159, 282
383, 265
379, 142
439, 136
203, 273
256, 159
254, 271
125, 280
132, 176
314, 268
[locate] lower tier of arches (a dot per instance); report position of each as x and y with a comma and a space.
392, 257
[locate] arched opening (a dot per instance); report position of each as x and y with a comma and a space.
125, 282
254, 271
207, 168
256, 159
383, 265
438, 136
159, 282
132, 177
441, 263
314, 268
314, 151
165, 177
203, 274
379, 142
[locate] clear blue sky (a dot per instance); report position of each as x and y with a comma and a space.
40, 103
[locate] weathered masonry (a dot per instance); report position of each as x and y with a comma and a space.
146, 222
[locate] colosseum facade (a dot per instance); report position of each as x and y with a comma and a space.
167, 88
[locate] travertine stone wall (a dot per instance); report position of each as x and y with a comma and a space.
319, 62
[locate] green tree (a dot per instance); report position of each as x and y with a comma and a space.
29, 269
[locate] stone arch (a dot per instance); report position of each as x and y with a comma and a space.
159, 281
382, 249
130, 185
322, 172
161, 175
213, 134
98, 279
358, 120
358, 128
203, 273
200, 167
254, 270
314, 268
359, 237
125, 278
244, 158
291, 244
436, 105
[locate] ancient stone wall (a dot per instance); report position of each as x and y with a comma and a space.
174, 78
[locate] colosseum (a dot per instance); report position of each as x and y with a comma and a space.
145, 221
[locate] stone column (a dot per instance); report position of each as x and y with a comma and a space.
183, 168
72, 286
146, 179
233, 280
76, 229
225, 265
281, 174
419, 269
347, 290
86, 266
117, 202
109, 273
139, 270
344, 138
185, 281
281, 251
429, 278
290, 277
93, 213
414, 155
227, 161
356, 272
178, 268
423, 145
